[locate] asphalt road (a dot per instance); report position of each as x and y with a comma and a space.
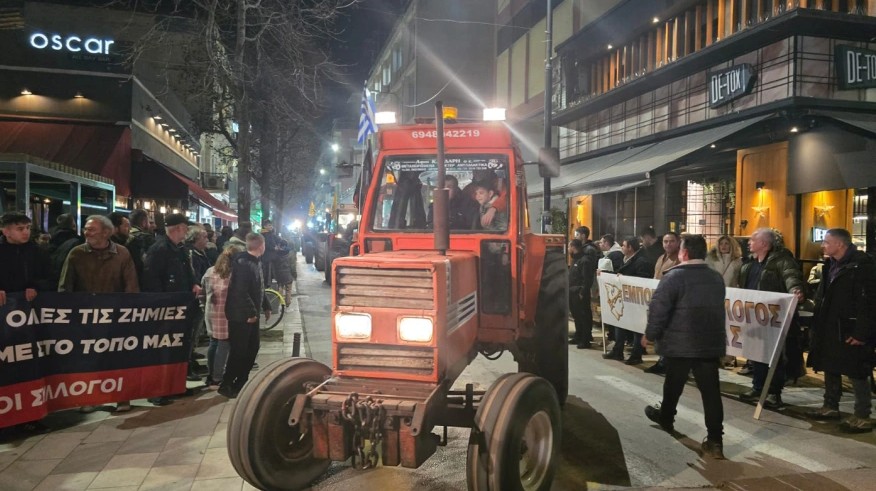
607, 443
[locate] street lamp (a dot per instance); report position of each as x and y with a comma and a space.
335, 147
322, 172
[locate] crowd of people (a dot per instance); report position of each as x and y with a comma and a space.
225, 277
686, 316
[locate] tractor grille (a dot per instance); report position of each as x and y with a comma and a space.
388, 288
386, 359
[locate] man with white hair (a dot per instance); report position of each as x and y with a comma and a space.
99, 266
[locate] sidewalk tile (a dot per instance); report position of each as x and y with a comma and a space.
170, 477
181, 451
108, 432
226, 411
24, 475
227, 484
10, 452
88, 457
216, 464
66, 482
124, 470
147, 440
55, 446
219, 436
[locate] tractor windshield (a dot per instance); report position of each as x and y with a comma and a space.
478, 193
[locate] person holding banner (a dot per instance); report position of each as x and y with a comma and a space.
844, 328
168, 268
771, 269
635, 264
686, 321
24, 267
100, 265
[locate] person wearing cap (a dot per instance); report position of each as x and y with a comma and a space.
168, 268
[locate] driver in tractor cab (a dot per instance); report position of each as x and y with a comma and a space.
464, 213
486, 196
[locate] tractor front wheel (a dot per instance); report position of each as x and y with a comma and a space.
264, 449
515, 443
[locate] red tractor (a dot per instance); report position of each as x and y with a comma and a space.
445, 267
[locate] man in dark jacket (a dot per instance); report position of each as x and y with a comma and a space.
168, 268
140, 239
652, 248
121, 228
64, 239
844, 328
686, 321
772, 269
635, 264
464, 210
23, 266
582, 273
246, 297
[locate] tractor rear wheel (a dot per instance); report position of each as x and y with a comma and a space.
515, 442
547, 354
320, 256
264, 450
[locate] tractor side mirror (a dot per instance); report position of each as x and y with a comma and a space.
549, 162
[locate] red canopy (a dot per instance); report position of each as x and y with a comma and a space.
100, 149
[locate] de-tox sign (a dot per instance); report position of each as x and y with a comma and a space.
71, 43
855, 67
730, 84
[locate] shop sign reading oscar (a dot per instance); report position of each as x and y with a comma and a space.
730, 84
71, 43
855, 67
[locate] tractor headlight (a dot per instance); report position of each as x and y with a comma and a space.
415, 329
353, 326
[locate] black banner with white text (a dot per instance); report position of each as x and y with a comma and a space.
68, 350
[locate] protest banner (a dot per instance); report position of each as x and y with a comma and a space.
756, 322
68, 350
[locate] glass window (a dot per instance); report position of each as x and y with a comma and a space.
404, 201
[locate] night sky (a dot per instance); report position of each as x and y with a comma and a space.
363, 30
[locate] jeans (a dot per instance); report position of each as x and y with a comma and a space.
833, 392
217, 357
705, 371
243, 341
621, 336
759, 375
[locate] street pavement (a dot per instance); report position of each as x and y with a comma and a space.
607, 443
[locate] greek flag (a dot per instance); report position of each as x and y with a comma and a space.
366, 117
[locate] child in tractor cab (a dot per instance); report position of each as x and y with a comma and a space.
491, 217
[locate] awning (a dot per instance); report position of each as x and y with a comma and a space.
151, 179
103, 150
829, 157
640, 165
575, 177
860, 120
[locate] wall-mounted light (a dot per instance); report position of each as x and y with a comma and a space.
175, 211
24, 91
147, 205
335, 147
655, 20
172, 130
157, 117
78, 95
163, 210
759, 185
713, 146
610, 46
794, 129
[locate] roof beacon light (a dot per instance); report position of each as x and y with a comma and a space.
384, 117
449, 113
494, 114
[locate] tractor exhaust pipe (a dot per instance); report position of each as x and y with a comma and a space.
441, 198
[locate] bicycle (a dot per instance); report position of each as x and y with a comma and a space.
278, 307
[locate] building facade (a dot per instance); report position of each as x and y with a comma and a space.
720, 117
72, 100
